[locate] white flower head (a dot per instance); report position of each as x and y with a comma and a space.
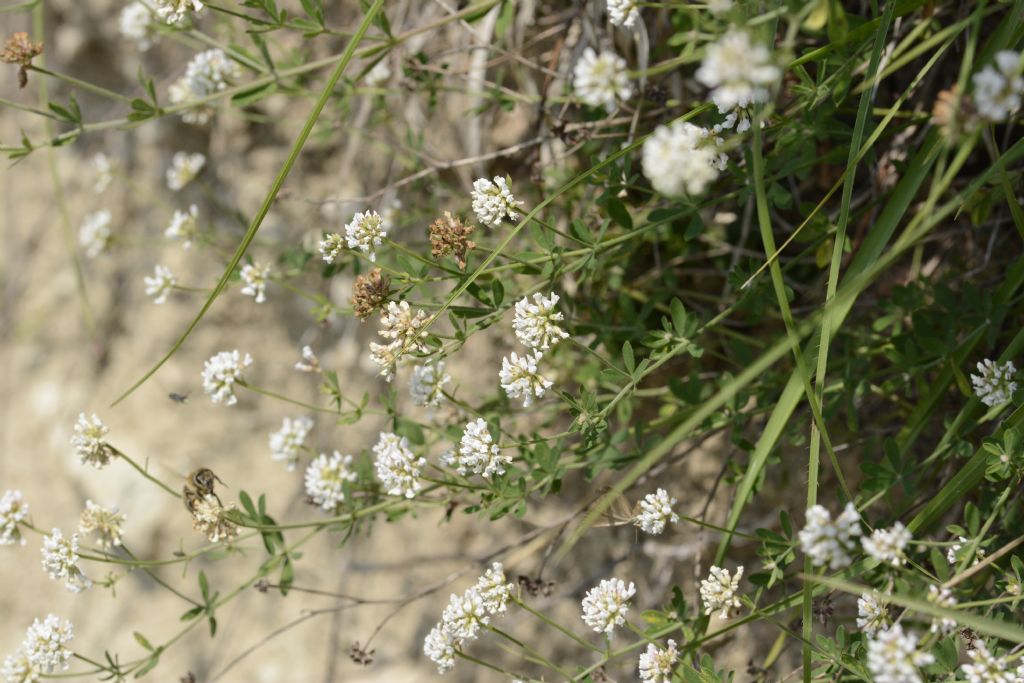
183, 226
439, 646
682, 158
287, 442
494, 590
210, 518
365, 232
720, 591
161, 284
94, 234
17, 668
961, 542
207, 73
89, 442
397, 468
493, 201
220, 374
606, 604
601, 80
309, 362
255, 276
998, 87
827, 542
536, 324
656, 512
173, 11
465, 615
942, 597
386, 357
106, 523
994, 383
623, 12
104, 171
887, 545
872, 613
331, 246
477, 454
739, 73
183, 169
13, 511
520, 377
656, 664
60, 561
405, 328
326, 477
427, 384
893, 656
45, 644
986, 667
136, 24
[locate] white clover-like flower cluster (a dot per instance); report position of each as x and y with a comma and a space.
656, 512
404, 327
720, 591
106, 523
287, 442
520, 377
465, 615
161, 284
255, 276
210, 518
942, 597
605, 605
88, 440
309, 362
872, 613
738, 72
601, 80
998, 87
887, 545
477, 454
104, 172
397, 468
220, 374
43, 651
827, 542
94, 233
18, 669
136, 24
173, 11
493, 201
184, 226
623, 12
207, 73
364, 232
536, 324
326, 477
893, 656
427, 384
13, 511
994, 383
60, 561
183, 169
331, 246
682, 158
656, 664
954, 550
985, 667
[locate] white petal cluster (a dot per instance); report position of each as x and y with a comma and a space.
309, 362
183, 226
397, 468
656, 512
994, 383
601, 80
326, 477
465, 615
739, 73
18, 669
364, 232
477, 454
953, 550
656, 664
173, 11
104, 172
606, 604
183, 169
872, 613
161, 284
60, 561
536, 324
404, 328
255, 275
222, 372
45, 644
94, 233
106, 523
719, 591
136, 24
207, 73
893, 656
13, 511
520, 377
331, 246
427, 384
88, 440
942, 597
682, 158
887, 545
623, 12
985, 667
210, 518
827, 542
998, 87
493, 201
287, 442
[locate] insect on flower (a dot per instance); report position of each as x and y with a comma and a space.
199, 484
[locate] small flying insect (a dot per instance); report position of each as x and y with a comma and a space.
178, 398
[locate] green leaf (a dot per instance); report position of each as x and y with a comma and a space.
247, 97
204, 587
141, 640
617, 212
627, 357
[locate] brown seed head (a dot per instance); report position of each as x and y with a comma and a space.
449, 235
953, 114
20, 50
370, 293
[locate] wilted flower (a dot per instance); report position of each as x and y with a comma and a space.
183, 226
656, 512
21, 50
739, 73
326, 477
106, 524
161, 284
255, 277
449, 235
605, 606
656, 664
477, 454
719, 591
369, 293
365, 232
893, 656
600, 80
60, 561
89, 441
397, 468
183, 169
521, 379
287, 442
220, 374
886, 545
427, 384
535, 324
94, 235
994, 383
681, 158
13, 511
998, 87
827, 542
492, 201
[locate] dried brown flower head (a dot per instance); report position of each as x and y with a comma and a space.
536, 586
953, 114
370, 293
449, 235
20, 50
360, 655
